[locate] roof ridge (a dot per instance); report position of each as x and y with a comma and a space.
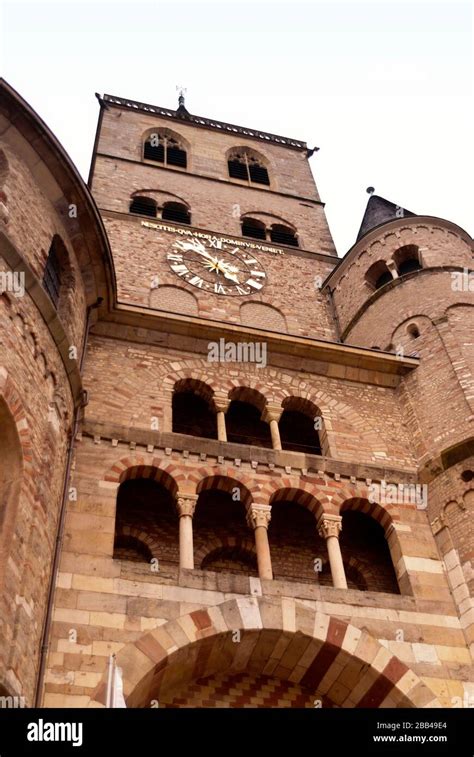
209, 123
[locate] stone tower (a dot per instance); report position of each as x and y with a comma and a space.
260, 506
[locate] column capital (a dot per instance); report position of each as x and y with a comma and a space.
259, 515
221, 406
186, 504
271, 413
329, 525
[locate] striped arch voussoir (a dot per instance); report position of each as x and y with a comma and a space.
161, 471
218, 543
299, 496
372, 509
309, 648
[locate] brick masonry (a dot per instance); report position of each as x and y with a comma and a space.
401, 634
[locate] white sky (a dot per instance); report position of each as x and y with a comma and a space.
384, 89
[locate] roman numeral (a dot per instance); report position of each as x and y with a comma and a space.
196, 281
250, 261
175, 256
254, 284
181, 270
258, 273
218, 288
241, 291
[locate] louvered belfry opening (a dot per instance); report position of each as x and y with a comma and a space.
175, 155
175, 211
258, 174
143, 206
52, 273
247, 167
237, 169
253, 228
283, 235
167, 150
154, 150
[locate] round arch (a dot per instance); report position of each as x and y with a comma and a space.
299, 496
325, 655
375, 511
226, 483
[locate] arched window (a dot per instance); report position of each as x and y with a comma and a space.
295, 544
56, 270
248, 166
222, 539
244, 422
177, 212
146, 515
283, 235
407, 259
245, 426
143, 206
166, 149
363, 543
378, 275
299, 425
193, 411
253, 228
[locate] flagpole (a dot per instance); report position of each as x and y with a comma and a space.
110, 681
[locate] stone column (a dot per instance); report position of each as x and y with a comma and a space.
258, 517
221, 409
329, 527
392, 268
271, 416
186, 504
221, 404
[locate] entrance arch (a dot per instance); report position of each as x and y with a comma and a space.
274, 643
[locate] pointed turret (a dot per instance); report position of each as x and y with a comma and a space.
379, 211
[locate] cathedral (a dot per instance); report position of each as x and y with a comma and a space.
235, 468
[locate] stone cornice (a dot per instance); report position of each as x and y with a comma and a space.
206, 123
262, 459
193, 334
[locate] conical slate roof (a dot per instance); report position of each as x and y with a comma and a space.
379, 211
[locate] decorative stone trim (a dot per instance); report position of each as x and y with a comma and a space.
259, 515
329, 525
330, 648
186, 504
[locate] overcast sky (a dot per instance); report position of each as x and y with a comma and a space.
384, 89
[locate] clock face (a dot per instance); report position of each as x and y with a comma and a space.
214, 266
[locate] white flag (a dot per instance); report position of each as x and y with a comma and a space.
115, 696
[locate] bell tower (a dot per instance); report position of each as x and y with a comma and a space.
210, 219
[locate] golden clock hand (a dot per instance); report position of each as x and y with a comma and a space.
230, 276
197, 247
